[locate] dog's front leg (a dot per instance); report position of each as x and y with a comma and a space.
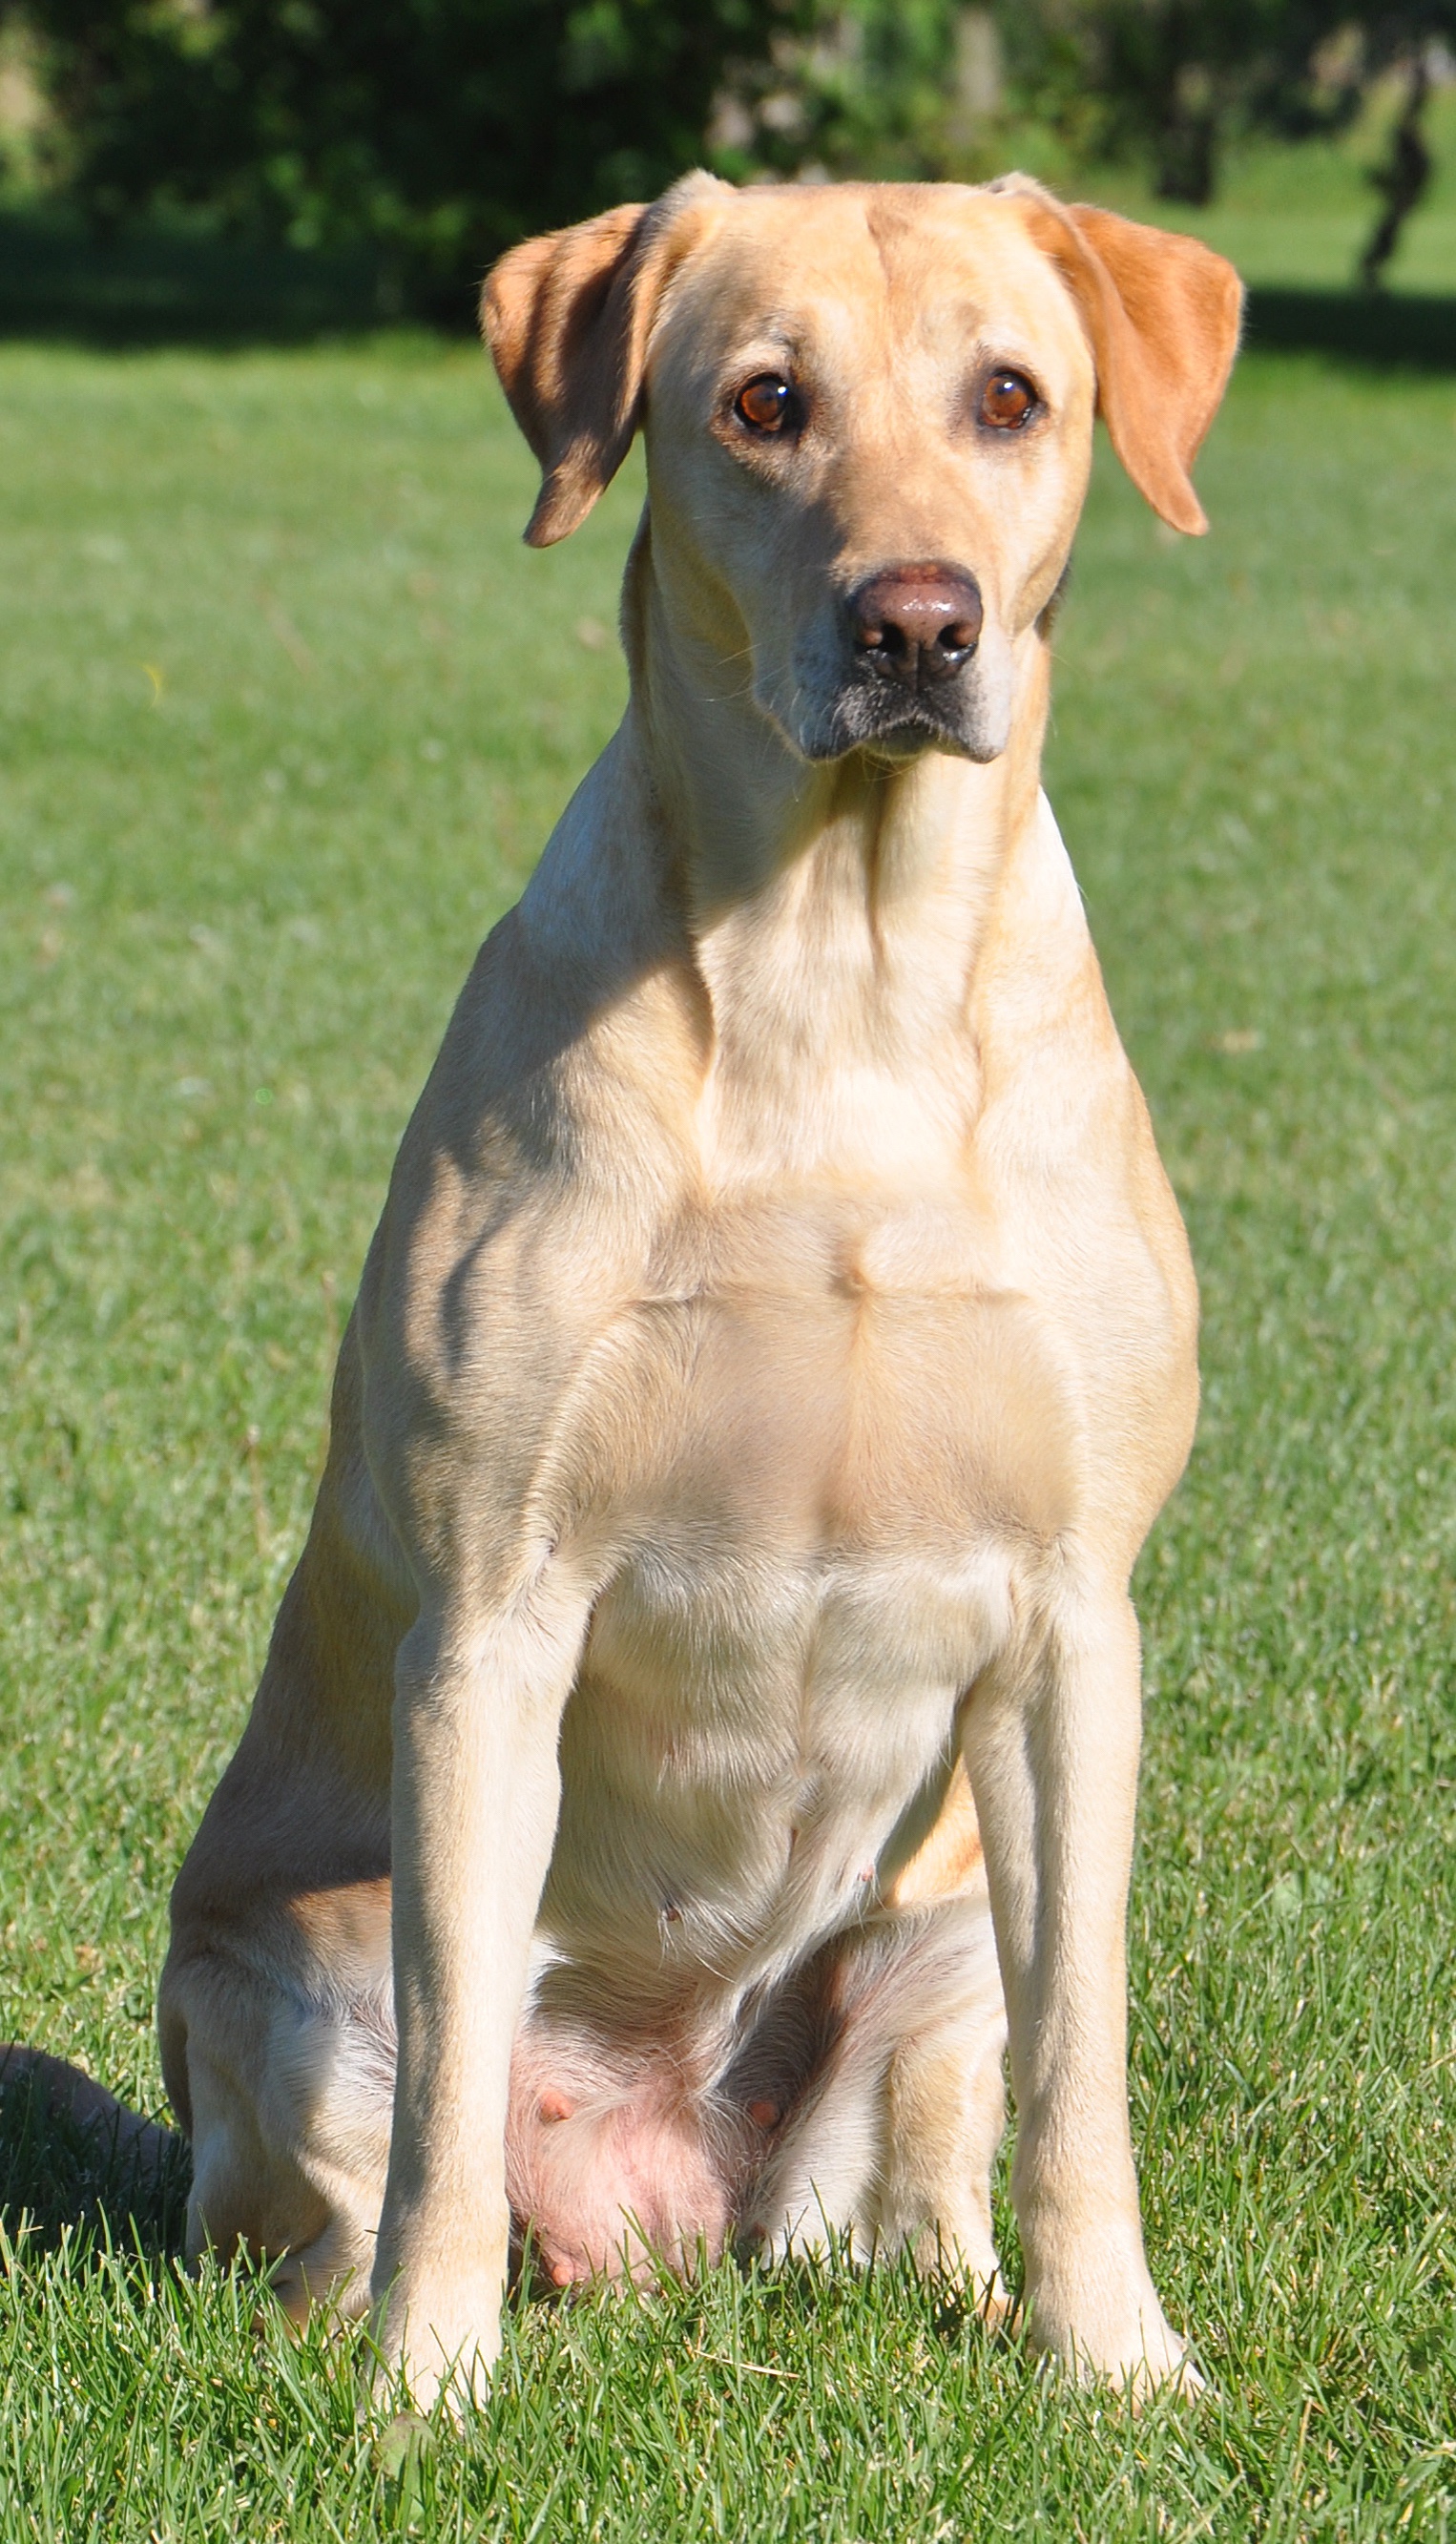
475, 1798
1052, 1754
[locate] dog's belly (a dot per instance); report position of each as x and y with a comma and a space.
754, 1745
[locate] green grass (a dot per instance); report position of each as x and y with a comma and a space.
285, 714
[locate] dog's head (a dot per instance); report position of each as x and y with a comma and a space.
868, 413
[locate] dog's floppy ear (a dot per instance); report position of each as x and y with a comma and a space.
1163, 314
567, 318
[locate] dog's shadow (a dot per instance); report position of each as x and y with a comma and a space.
78, 2166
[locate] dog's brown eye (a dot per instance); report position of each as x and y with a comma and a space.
1006, 400
767, 404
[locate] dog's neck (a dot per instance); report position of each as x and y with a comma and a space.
836, 915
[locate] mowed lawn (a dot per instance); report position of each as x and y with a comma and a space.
285, 713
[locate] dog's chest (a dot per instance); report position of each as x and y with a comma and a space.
831, 1386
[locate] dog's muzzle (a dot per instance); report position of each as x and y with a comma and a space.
902, 671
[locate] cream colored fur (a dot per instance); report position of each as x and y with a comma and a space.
778, 1341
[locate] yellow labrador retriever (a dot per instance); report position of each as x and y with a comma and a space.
778, 1341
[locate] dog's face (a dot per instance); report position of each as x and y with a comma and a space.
869, 414
870, 429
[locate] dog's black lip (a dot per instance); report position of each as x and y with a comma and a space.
899, 718
900, 742
907, 740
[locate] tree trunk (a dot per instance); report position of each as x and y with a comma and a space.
1404, 178
1187, 148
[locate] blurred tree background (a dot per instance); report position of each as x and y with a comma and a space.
432, 133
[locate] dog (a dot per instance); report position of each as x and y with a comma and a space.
704, 1724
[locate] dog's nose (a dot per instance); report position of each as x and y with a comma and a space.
917, 623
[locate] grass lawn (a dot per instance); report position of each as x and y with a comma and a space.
285, 712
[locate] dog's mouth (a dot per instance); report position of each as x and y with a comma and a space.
867, 714
901, 722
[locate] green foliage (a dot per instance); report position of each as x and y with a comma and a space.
432, 133
888, 88
868, 92
882, 95
285, 712
438, 130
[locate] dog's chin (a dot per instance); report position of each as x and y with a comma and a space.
891, 724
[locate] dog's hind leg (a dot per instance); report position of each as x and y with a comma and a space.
275, 2004
820, 2186
946, 2113
892, 2139
286, 2081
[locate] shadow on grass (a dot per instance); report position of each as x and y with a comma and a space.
1390, 330
75, 2161
151, 288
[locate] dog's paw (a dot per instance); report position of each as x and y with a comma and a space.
980, 2291
333, 2272
438, 2343
804, 2234
1132, 2346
